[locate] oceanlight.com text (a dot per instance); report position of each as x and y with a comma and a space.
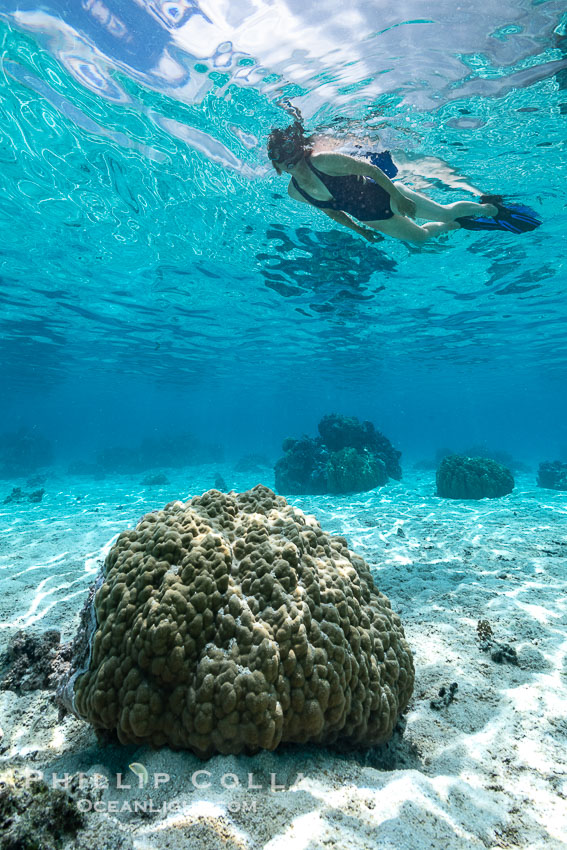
149, 806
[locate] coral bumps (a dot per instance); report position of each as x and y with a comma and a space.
232, 623
460, 477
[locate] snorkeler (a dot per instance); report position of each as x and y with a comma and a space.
347, 188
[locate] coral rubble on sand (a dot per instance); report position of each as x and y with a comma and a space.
18, 495
31, 662
34, 816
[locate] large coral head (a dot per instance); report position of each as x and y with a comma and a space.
233, 622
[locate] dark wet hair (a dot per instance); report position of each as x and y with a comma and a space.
289, 145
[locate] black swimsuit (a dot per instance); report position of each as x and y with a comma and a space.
354, 194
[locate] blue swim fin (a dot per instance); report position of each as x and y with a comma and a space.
514, 218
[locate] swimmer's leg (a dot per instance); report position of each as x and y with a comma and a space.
401, 227
432, 211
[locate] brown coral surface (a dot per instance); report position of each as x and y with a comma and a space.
232, 623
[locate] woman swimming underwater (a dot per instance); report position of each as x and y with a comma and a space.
347, 188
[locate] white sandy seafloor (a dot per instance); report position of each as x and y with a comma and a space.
489, 770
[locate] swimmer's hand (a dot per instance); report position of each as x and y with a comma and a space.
370, 235
405, 206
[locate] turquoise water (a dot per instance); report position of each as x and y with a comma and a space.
167, 311
157, 279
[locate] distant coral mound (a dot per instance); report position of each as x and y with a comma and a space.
479, 450
23, 452
460, 477
553, 475
349, 456
160, 479
220, 483
168, 450
252, 463
233, 623
499, 455
340, 432
352, 471
303, 468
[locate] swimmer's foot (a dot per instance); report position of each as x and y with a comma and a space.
491, 204
514, 218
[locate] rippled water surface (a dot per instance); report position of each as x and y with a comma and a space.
145, 235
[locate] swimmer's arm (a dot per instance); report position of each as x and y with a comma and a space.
336, 164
